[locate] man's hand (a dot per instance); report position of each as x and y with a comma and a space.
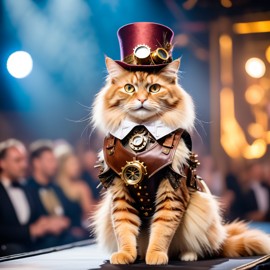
49, 225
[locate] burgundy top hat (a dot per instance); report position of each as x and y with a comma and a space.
145, 45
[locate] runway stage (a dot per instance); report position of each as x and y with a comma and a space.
86, 255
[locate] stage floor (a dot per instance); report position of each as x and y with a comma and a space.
89, 256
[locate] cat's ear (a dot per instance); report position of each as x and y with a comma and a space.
171, 69
113, 68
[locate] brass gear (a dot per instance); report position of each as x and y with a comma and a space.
133, 172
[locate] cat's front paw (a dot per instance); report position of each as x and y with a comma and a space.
156, 257
122, 257
189, 256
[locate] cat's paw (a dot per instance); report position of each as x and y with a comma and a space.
189, 256
122, 257
156, 257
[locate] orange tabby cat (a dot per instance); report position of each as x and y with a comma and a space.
186, 223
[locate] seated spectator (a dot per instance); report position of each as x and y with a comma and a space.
90, 173
256, 199
22, 227
49, 197
76, 190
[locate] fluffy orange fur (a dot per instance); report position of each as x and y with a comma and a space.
187, 224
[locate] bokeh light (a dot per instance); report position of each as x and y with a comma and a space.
255, 67
19, 64
254, 94
267, 54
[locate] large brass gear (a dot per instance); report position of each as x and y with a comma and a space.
133, 172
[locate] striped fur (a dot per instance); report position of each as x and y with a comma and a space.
187, 224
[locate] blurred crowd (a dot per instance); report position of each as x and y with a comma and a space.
47, 193
243, 190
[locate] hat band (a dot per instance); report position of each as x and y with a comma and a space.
142, 55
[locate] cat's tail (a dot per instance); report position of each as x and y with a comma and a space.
243, 241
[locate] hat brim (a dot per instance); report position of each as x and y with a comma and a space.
140, 67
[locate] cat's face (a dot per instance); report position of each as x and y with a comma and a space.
143, 97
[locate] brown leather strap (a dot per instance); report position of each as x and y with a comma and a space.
116, 155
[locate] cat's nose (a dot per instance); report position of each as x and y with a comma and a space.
142, 100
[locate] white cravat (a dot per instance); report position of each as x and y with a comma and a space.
19, 201
156, 128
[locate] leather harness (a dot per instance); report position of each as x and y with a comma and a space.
158, 159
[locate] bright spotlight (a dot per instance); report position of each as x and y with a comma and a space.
255, 67
19, 64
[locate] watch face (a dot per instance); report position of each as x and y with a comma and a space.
142, 51
133, 172
137, 140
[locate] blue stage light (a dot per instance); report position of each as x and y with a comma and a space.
19, 64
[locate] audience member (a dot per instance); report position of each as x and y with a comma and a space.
49, 197
22, 227
76, 190
257, 197
90, 173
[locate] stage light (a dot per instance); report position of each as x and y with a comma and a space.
254, 94
255, 67
267, 54
19, 64
252, 27
255, 130
226, 3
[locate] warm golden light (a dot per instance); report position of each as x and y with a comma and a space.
254, 94
255, 67
255, 130
233, 138
252, 27
226, 3
256, 150
268, 137
267, 54
225, 43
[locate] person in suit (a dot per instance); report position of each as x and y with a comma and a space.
49, 197
256, 199
22, 227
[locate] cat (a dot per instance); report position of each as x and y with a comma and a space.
187, 223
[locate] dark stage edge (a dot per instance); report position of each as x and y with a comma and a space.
87, 255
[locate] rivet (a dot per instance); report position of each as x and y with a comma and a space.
146, 193
142, 208
141, 200
140, 187
148, 200
150, 209
138, 193
146, 214
145, 187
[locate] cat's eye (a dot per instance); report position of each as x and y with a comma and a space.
154, 88
129, 88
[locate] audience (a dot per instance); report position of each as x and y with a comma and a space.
22, 226
90, 173
256, 199
76, 190
49, 197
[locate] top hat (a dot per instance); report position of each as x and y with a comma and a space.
145, 46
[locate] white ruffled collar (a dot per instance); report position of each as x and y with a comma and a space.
156, 128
